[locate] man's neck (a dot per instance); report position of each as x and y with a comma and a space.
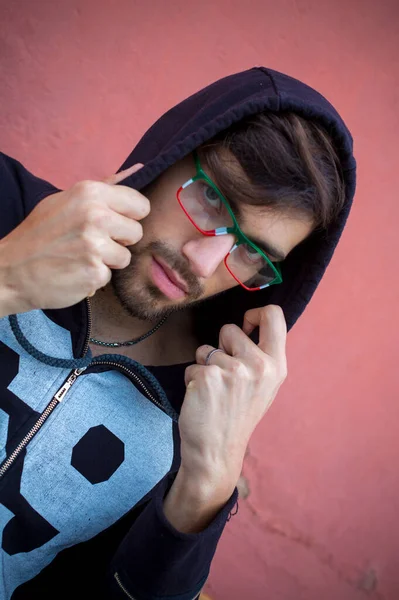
172, 343
111, 322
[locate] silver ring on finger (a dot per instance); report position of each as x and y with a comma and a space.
208, 358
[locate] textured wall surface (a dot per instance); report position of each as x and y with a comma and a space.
82, 80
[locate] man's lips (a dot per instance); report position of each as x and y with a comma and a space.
173, 276
167, 280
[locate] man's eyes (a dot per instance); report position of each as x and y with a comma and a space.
211, 196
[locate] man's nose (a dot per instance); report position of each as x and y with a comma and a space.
206, 253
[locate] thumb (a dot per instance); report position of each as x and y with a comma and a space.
117, 177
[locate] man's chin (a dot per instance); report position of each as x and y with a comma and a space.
138, 293
146, 303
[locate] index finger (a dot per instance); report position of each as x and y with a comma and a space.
117, 177
272, 328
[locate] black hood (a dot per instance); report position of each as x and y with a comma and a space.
208, 112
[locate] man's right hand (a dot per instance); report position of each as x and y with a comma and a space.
65, 249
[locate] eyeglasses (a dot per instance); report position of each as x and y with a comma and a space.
210, 212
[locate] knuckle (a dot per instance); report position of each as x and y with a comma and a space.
95, 275
93, 216
238, 369
85, 211
89, 243
97, 217
227, 329
86, 188
210, 373
188, 371
273, 311
274, 308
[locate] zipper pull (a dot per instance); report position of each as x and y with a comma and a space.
59, 396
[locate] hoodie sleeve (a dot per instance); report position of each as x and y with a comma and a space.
20, 192
157, 562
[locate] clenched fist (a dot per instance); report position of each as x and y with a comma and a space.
65, 249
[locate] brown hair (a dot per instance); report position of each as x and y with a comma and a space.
288, 163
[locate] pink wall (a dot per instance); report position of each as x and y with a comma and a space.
82, 80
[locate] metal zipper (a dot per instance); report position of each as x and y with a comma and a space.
135, 377
86, 346
118, 581
56, 399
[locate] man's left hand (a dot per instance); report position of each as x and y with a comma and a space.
224, 403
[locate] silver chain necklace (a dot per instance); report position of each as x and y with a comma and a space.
130, 342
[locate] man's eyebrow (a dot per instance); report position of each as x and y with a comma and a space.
267, 248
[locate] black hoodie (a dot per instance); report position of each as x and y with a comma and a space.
81, 498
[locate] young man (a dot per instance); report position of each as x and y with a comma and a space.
143, 331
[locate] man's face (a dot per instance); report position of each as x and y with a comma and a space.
174, 265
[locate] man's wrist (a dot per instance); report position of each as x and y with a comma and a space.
192, 502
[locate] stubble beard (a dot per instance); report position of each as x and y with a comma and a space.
140, 297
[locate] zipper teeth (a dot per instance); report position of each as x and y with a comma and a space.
86, 346
54, 402
25, 441
116, 576
135, 377
72, 377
